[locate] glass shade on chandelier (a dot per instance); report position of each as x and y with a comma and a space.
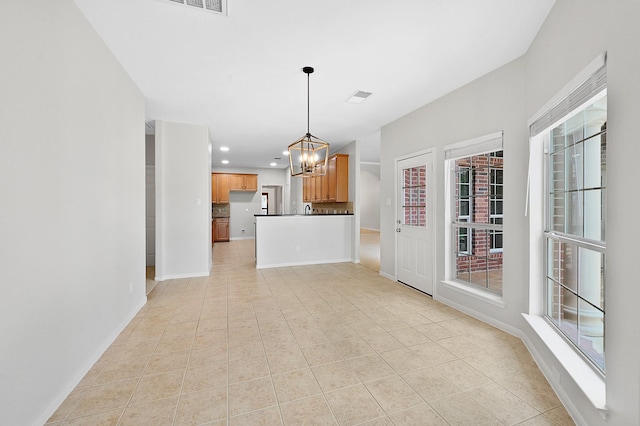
308, 156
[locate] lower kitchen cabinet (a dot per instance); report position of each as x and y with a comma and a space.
221, 229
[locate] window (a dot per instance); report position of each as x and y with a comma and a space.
464, 208
476, 213
575, 226
414, 190
495, 214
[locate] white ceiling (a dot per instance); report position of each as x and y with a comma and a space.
241, 74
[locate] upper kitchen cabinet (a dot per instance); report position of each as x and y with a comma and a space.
219, 188
333, 186
338, 179
243, 182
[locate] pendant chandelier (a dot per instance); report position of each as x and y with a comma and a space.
308, 155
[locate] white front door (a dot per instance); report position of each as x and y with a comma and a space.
414, 222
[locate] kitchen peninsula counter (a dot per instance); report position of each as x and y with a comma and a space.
295, 239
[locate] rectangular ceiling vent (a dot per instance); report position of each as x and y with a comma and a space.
359, 97
215, 6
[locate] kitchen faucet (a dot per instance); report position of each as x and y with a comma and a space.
308, 206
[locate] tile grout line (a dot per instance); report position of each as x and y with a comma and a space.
331, 301
186, 369
143, 371
273, 386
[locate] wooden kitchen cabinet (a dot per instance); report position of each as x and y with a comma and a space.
321, 186
250, 182
306, 190
316, 188
243, 182
337, 179
235, 182
312, 189
219, 188
333, 186
221, 229
214, 188
325, 182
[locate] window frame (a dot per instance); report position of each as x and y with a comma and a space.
481, 146
494, 216
580, 242
419, 206
581, 372
468, 199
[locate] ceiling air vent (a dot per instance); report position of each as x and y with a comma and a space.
215, 6
359, 97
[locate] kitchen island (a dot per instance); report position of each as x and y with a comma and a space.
291, 240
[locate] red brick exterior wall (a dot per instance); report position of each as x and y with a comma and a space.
480, 258
415, 196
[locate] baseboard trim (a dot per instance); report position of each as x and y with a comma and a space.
388, 276
178, 276
514, 331
313, 262
76, 378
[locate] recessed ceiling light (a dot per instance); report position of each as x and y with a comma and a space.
224, 148
359, 97
285, 152
225, 161
273, 164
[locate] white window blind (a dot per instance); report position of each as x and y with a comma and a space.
595, 84
476, 146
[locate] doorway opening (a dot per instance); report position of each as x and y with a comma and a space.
370, 248
150, 208
264, 203
272, 199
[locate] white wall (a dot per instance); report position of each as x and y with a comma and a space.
183, 200
573, 35
318, 239
490, 104
370, 148
72, 185
623, 293
244, 205
370, 196
575, 32
353, 150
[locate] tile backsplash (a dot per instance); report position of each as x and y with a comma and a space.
330, 208
220, 210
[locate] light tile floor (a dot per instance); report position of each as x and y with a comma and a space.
314, 345
370, 249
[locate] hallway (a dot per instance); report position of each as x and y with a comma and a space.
312, 345
370, 249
